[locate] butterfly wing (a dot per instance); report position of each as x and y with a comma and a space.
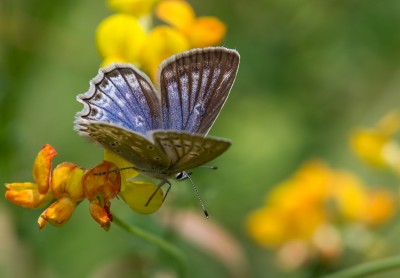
121, 95
194, 87
188, 151
130, 145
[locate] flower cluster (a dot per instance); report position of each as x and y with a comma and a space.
69, 184
128, 36
302, 215
378, 145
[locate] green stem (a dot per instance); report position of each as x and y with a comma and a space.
368, 268
162, 244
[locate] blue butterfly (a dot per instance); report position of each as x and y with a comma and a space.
163, 133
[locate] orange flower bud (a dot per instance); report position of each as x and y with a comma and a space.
101, 214
42, 167
58, 213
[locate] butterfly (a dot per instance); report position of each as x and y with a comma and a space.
162, 132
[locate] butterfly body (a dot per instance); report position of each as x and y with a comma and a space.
162, 133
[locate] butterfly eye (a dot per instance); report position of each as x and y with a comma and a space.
181, 176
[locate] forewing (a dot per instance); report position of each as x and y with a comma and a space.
188, 151
121, 95
132, 146
194, 87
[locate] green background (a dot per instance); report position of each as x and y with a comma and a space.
310, 72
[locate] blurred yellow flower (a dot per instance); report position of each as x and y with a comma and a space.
120, 38
377, 146
134, 7
201, 32
123, 38
307, 207
162, 42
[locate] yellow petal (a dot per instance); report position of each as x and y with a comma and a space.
161, 43
350, 196
134, 7
206, 31
137, 194
67, 181
121, 163
175, 12
58, 213
27, 195
120, 36
100, 214
102, 180
42, 167
369, 144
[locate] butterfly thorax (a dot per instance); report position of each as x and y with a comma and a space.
158, 173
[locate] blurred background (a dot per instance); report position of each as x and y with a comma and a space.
310, 72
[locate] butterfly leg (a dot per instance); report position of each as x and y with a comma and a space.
166, 193
158, 188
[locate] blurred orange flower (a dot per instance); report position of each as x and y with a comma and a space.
307, 208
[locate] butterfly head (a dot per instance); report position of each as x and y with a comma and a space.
181, 176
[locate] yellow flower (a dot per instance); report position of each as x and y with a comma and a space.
34, 195
120, 38
162, 42
201, 31
134, 7
137, 194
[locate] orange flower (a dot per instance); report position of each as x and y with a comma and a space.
66, 186
100, 184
